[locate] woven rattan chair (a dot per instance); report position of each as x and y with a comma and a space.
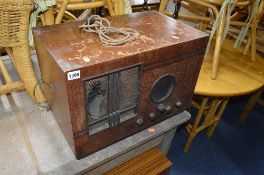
14, 25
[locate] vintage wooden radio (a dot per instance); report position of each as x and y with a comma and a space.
101, 94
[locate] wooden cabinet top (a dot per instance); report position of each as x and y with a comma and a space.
73, 48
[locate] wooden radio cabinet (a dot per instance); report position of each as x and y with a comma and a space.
101, 94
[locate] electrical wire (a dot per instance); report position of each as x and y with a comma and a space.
101, 26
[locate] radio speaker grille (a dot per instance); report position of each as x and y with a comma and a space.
112, 98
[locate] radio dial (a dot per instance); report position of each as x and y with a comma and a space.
161, 108
152, 116
178, 104
168, 108
139, 122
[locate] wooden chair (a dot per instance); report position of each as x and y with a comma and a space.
238, 77
14, 22
214, 6
115, 8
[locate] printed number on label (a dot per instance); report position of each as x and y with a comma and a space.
74, 75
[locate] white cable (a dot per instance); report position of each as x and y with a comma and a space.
101, 26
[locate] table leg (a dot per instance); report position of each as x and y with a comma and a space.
212, 113
251, 103
193, 131
217, 117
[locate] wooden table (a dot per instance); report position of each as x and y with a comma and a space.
238, 75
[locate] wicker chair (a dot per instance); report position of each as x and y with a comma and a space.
14, 22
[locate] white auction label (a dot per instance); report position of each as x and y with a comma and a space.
74, 75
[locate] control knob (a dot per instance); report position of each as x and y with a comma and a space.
178, 105
152, 116
161, 107
168, 108
139, 122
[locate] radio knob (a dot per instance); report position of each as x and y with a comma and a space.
139, 122
178, 104
161, 108
152, 116
168, 108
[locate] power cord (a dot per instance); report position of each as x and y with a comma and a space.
101, 26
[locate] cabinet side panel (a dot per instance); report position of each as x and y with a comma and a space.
55, 90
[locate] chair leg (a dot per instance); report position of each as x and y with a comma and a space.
163, 5
120, 7
61, 11
261, 102
255, 22
203, 25
253, 38
49, 17
218, 117
4, 72
193, 131
247, 46
237, 16
110, 7
249, 107
218, 44
9, 86
24, 66
116, 7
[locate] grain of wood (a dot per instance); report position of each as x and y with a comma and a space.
237, 75
152, 162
